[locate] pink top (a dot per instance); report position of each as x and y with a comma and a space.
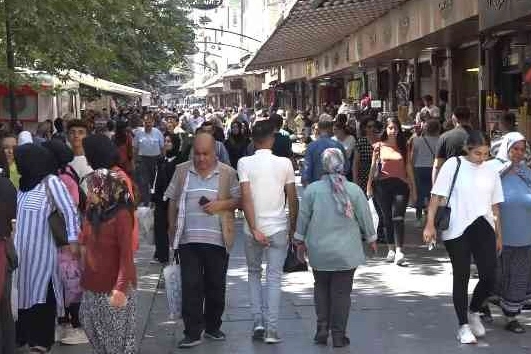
393, 163
71, 186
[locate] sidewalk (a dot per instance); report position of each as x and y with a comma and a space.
395, 310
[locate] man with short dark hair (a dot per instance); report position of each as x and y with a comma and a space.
77, 130
452, 142
313, 168
266, 180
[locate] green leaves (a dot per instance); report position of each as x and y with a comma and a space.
121, 40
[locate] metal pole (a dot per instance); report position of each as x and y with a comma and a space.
10, 53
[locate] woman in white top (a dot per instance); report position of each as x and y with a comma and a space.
474, 228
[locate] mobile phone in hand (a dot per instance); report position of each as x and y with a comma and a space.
203, 201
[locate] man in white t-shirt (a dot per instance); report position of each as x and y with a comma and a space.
265, 181
76, 132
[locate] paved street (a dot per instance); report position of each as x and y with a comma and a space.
395, 310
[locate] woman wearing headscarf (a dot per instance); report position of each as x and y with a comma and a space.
334, 247
515, 261
101, 153
40, 294
8, 259
165, 169
69, 330
109, 278
236, 143
25, 137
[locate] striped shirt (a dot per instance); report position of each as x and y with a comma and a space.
34, 242
200, 227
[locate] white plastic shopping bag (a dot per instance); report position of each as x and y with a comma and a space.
14, 296
374, 214
172, 280
146, 223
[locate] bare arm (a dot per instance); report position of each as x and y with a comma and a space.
437, 164
293, 204
497, 227
172, 219
430, 233
375, 156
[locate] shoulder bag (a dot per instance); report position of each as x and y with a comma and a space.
442, 216
429, 147
56, 220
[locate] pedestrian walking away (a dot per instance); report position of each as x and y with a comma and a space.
475, 191
333, 218
265, 181
203, 195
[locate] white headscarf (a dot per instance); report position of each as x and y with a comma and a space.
502, 161
25, 138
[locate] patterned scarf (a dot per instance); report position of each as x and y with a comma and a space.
333, 167
107, 194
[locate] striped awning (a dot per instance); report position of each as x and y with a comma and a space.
312, 26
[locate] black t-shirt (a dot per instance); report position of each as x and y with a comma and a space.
8, 206
451, 143
282, 146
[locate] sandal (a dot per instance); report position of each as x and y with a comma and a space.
515, 327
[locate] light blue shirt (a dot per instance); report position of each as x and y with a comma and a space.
334, 241
516, 211
148, 144
313, 166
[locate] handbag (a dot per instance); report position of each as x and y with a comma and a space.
56, 220
442, 216
292, 263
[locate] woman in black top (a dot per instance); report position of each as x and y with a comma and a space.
165, 169
8, 262
237, 143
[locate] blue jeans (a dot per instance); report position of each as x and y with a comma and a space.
265, 301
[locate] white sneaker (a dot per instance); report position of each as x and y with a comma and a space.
390, 256
474, 320
400, 258
74, 336
60, 331
465, 335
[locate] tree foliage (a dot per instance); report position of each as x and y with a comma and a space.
128, 41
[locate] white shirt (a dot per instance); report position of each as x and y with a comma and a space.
82, 168
477, 189
268, 175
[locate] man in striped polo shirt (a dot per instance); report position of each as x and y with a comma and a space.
203, 195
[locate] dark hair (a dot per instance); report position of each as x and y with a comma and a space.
276, 120
462, 114
428, 98
342, 118
433, 127
509, 120
3, 164
58, 124
340, 126
365, 122
110, 125
176, 144
262, 130
77, 123
100, 151
326, 125
475, 139
401, 140
120, 136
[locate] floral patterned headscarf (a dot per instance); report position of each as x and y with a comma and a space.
107, 194
334, 167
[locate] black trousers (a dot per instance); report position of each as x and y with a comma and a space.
162, 246
71, 316
478, 240
146, 167
332, 300
203, 274
392, 195
7, 325
36, 325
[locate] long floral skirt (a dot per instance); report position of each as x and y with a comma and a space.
110, 330
514, 278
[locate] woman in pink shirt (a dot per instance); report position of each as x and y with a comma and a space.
391, 177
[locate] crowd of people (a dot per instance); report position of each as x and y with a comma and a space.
68, 230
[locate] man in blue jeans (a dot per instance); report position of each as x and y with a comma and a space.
266, 180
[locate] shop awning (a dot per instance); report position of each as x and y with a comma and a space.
104, 85
312, 26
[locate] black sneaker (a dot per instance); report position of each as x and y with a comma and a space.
215, 335
188, 342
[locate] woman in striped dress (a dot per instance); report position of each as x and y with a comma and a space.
40, 295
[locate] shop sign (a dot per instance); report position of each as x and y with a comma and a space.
206, 4
494, 13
